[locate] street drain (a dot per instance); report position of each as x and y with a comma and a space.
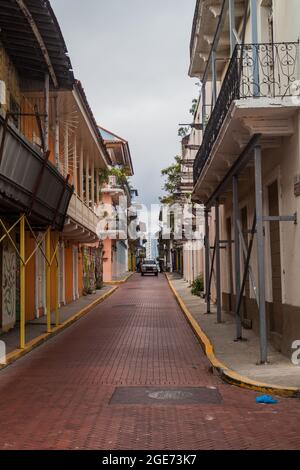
165, 396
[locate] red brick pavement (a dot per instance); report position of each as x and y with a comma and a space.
57, 397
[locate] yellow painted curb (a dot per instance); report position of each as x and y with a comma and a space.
18, 353
222, 370
117, 283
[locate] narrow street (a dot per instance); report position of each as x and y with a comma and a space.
71, 392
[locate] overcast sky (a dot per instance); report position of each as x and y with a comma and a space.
132, 57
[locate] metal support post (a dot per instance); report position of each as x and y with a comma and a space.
48, 279
47, 105
260, 255
218, 264
245, 252
207, 260
22, 282
236, 217
57, 285
246, 268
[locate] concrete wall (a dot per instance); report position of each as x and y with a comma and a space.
192, 260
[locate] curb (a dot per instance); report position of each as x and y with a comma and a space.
18, 353
117, 283
226, 374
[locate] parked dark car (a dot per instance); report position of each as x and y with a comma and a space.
149, 266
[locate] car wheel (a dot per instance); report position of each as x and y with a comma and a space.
156, 274
142, 274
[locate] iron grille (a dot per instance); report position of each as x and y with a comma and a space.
255, 71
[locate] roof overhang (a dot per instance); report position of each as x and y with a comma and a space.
86, 112
209, 14
119, 148
33, 40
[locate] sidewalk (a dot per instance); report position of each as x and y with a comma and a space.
241, 357
37, 328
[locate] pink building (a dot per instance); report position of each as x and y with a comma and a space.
115, 245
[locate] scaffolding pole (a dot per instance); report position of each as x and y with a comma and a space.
207, 262
22, 282
57, 284
218, 263
260, 255
237, 259
48, 279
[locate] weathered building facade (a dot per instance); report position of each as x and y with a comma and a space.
117, 250
246, 54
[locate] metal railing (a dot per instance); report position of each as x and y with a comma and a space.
255, 71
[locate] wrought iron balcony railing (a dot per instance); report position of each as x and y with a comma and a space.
255, 71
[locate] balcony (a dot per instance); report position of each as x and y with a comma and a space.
29, 183
82, 221
259, 89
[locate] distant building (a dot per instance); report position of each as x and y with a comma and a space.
117, 257
151, 248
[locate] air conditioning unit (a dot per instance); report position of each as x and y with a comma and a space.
2, 93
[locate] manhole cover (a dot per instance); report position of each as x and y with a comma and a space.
170, 395
165, 396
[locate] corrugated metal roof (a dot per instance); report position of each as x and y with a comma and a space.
21, 43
